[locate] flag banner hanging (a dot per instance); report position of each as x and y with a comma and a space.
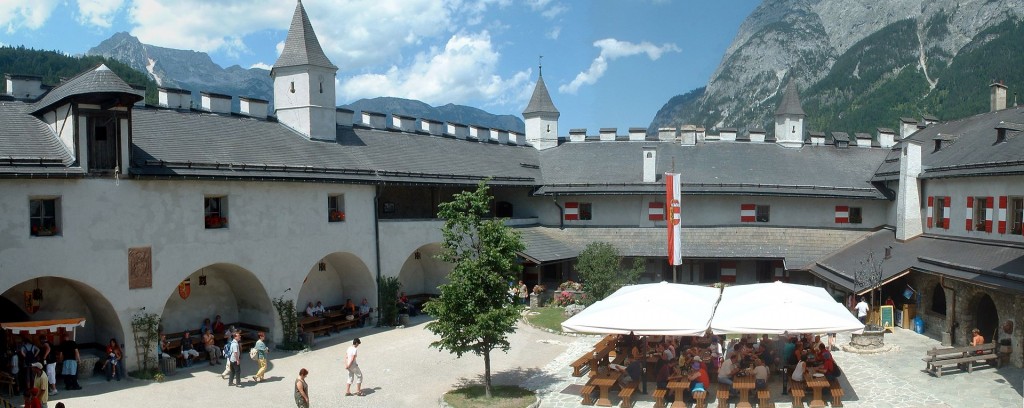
675, 250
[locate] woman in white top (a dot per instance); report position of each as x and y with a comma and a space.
798, 371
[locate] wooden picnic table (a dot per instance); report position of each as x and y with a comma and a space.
605, 381
816, 383
743, 385
678, 386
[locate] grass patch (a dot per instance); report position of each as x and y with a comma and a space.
550, 317
503, 396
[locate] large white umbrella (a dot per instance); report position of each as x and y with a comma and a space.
649, 309
774, 308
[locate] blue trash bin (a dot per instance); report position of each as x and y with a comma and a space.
919, 325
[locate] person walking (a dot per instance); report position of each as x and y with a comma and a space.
354, 374
261, 357
302, 390
235, 361
862, 310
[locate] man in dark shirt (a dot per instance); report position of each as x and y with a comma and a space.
70, 357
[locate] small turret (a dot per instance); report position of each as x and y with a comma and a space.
541, 117
789, 118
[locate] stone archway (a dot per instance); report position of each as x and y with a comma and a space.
64, 298
335, 278
232, 292
985, 316
422, 272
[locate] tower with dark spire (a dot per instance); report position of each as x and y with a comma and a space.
541, 116
304, 95
789, 118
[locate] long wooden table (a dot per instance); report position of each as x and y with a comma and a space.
604, 382
743, 385
816, 384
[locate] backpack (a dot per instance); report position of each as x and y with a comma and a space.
253, 353
227, 351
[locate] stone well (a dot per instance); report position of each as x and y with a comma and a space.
872, 338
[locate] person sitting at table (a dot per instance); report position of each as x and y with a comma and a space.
310, 310
665, 372
828, 367
699, 379
205, 326
218, 326
162, 346
631, 371
727, 371
760, 374
364, 312
188, 351
349, 309
319, 309
796, 380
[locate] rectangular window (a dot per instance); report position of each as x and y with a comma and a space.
940, 212
44, 220
855, 217
980, 214
216, 212
1016, 213
763, 213
335, 208
585, 213
710, 272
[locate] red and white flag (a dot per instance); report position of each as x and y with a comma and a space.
675, 249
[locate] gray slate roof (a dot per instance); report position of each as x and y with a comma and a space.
25, 140
800, 247
974, 152
301, 46
540, 102
711, 168
99, 80
168, 142
790, 104
987, 263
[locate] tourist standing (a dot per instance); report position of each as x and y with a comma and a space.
261, 357
354, 374
862, 310
524, 293
40, 381
50, 360
235, 361
302, 390
28, 354
70, 357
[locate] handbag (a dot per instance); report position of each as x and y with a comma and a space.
252, 353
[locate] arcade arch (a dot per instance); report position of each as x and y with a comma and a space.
232, 292
335, 278
64, 298
985, 316
422, 272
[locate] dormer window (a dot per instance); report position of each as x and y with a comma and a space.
103, 141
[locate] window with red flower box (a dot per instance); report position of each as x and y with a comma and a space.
44, 219
335, 208
215, 212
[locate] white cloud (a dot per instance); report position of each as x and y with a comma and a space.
261, 65
25, 14
464, 70
554, 33
548, 8
99, 13
612, 49
203, 25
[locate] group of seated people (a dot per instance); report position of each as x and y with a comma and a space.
209, 343
692, 358
351, 311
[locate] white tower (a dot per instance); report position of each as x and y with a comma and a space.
789, 118
304, 82
541, 117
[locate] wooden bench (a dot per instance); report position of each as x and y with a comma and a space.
659, 397
580, 364
314, 325
936, 358
587, 392
698, 398
418, 300
764, 399
174, 347
722, 396
626, 394
837, 393
798, 393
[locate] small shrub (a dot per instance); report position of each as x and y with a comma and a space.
572, 310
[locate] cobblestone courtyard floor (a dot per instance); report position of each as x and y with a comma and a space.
401, 370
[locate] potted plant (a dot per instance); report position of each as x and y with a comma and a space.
336, 216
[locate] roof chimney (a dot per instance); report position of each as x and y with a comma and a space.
908, 126
757, 135
886, 138
817, 138
608, 134
637, 134
256, 108
344, 116
174, 98
577, 135
998, 96
216, 103
24, 86
727, 134
667, 133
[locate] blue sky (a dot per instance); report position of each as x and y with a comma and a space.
606, 63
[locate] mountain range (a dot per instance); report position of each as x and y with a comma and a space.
860, 65
196, 72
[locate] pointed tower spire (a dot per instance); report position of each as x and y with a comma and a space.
304, 93
302, 47
789, 118
541, 117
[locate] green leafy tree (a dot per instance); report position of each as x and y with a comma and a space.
600, 269
388, 303
474, 312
